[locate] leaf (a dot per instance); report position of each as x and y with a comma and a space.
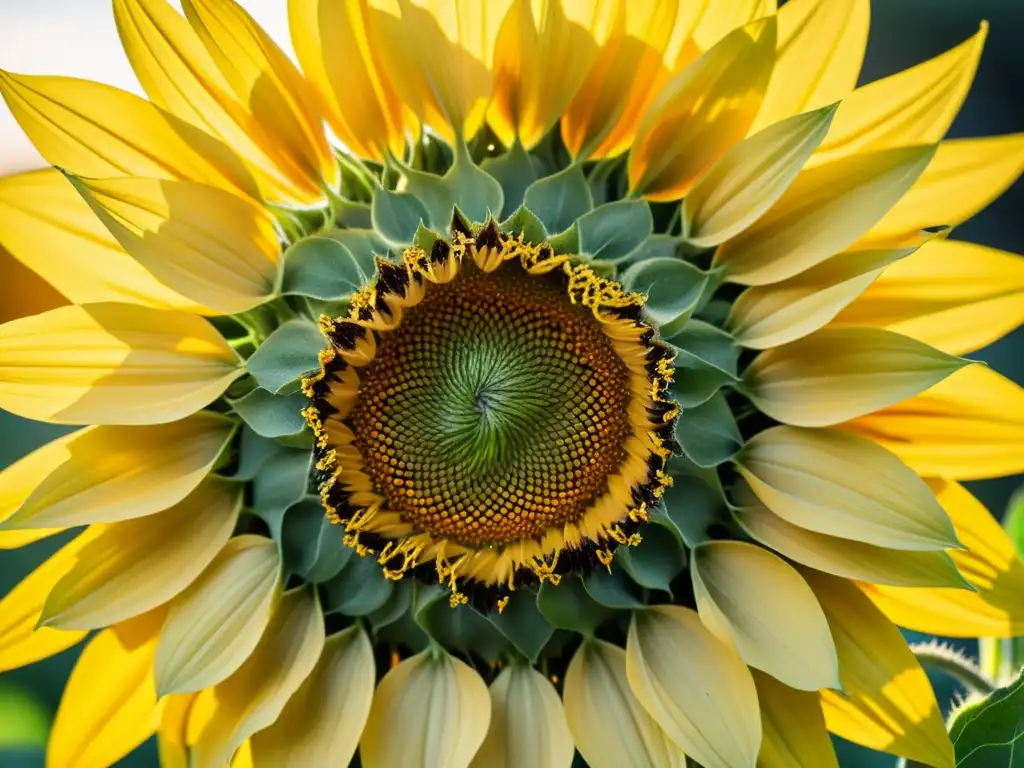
477, 194
566, 242
270, 415
281, 481
289, 352
322, 268
311, 544
656, 561
613, 589
657, 246
708, 432
612, 232
673, 288
990, 734
560, 199
525, 222
706, 360
396, 216
359, 590
253, 451
569, 606
523, 624
693, 506
515, 171
364, 245
462, 629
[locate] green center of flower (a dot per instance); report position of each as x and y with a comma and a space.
496, 410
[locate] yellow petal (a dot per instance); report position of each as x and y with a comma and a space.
772, 315
750, 178
694, 686
49, 228
753, 599
845, 486
267, 83
209, 245
990, 563
20, 642
964, 176
534, 40
93, 129
27, 292
528, 724
355, 94
968, 427
107, 474
171, 732
820, 51
702, 113
843, 557
610, 727
824, 211
640, 46
109, 704
214, 625
956, 296
888, 703
112, 364
254, 696
721, 17
836, 374
438, 704
134, 566
794, 727
915, 106
322, 722
438, 54
179, 75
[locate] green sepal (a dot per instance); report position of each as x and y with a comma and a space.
611, 232
321, 268
311, 545
567, 241
364, 244
523, 624
397, 604
613, 588
290, 352
570, 606
463, 630
515, 170
465, 186
253, 450
358, 590
271, 415
348, 213
656, 560
673, 288
990, 732
425, 238
283, 480
657, 246
525, 222
396, 216
706, 360
560, 199
708, 432
693, 506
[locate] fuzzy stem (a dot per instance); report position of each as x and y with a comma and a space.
951, 662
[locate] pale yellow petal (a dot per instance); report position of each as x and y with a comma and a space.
824, 211
968, 427
753, 599
134, 566
609, 725
702, 113
956, 296
20, 642
915, 106
109, 704
107, 474
322, 722
751, 176
694, 686
964, 176
528, 724
794, 727
112, 364
439, 705
214, 625
47, 226
179, 75
356, 96
267, 83
842, 485
255, 695
888, 703
771, 315
820, 51
217, 249
93, 129
844, 557
20, 479
836, 374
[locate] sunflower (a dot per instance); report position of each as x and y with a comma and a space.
507, 379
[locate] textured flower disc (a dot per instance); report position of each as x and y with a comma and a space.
491, 408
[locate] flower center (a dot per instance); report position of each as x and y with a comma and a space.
495, 411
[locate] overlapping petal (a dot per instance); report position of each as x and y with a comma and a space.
20, 479
794, 727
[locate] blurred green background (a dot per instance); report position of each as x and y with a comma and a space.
903, 33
